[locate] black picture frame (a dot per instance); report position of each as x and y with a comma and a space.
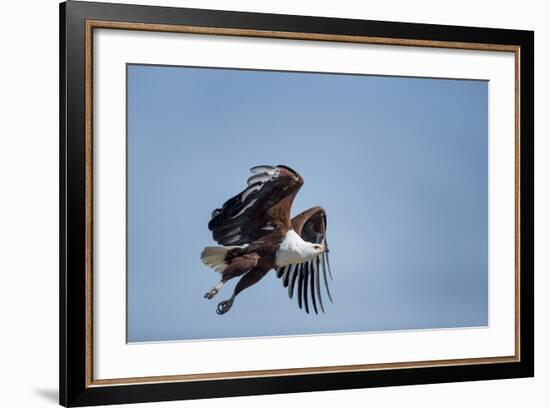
75, 389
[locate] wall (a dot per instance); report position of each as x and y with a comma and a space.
29, 185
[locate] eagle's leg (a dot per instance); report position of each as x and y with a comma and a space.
237, 267
246, 281
214, 291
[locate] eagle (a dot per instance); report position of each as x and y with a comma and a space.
257, 235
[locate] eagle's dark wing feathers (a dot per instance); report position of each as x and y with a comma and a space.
262, 208
311, 226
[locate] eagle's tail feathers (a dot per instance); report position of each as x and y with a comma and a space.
215, 257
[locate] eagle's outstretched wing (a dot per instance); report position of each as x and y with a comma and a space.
311, 225
263, 207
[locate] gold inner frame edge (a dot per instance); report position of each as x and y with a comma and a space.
92, 24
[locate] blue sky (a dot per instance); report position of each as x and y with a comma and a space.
399, 164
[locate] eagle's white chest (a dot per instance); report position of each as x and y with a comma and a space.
293, 249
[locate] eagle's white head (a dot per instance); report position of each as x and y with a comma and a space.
294, 249
315, 249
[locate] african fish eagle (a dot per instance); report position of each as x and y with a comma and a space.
257, 235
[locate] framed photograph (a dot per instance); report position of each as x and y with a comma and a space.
256, 203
